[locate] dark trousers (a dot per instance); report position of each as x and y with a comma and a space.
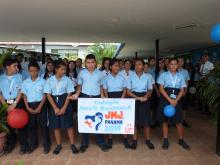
85, 136
22, 132
36, 121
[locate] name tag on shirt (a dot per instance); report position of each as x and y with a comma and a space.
10, 101
173, 96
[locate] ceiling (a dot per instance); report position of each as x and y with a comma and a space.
137, 23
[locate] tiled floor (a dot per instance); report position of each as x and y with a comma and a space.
201, 137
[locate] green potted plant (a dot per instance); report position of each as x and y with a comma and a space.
3, 127
209, 91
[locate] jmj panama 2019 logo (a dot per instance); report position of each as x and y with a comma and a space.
110, 120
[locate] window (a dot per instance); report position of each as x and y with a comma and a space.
71, 54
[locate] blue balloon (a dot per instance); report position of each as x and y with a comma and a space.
169, 111
215, 33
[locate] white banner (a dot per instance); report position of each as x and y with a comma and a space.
106, 116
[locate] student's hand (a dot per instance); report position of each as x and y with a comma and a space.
175, 103
138, 98
102, 96
30, 110
11, 107
37, 110
144, 99
57, 111
73, 97
172, 102
62, 111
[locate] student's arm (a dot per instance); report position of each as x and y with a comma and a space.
147, 95
156, 89
26, 105
76, 95
102, 92
129, 93
124, 93
165, 95
105, 93
180, 94
63, 109
185, 89
2, 100
40, 106
13, 106
52, 103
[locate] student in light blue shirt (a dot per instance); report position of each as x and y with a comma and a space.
10, 93
58, 88
185, 100
126, 72
114, 86
10, 86
139, 86
49, 70
152, 67
90, 82
34, 99
171, 85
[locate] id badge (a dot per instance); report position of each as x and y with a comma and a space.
57, 98
173, 96
10, 101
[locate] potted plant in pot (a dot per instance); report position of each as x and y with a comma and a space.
209, 92
3, 127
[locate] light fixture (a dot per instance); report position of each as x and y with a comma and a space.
191, 25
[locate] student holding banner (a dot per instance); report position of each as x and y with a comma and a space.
90, 86
115, 90
58, 87
139, 86
172, 84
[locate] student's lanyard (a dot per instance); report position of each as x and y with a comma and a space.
173, 80
58, 90
10, 88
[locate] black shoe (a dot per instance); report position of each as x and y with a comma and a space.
30, 149
133, 145
165, 144
57, 149
185, 124
109, 144
150, 145
46, 149
23, 150
8, 149
104, 147
82, 149
126, 143
183, 144
74, 149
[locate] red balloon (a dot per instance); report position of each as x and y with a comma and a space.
17, 118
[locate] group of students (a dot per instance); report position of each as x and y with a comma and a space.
50, 99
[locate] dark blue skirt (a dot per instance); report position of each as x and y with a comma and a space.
142, 111
62, 121
178, 117
115, 94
